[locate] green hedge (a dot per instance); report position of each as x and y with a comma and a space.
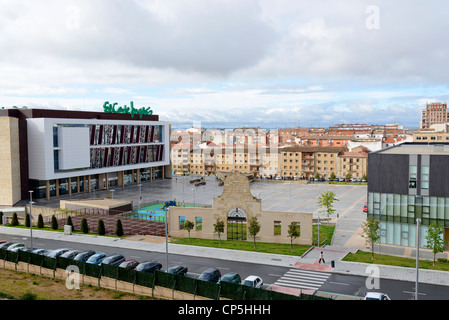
159, 278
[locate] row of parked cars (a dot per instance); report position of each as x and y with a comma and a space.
92, 257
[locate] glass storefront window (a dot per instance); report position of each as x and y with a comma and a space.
63, 186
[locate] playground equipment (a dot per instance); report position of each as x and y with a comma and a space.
169, 204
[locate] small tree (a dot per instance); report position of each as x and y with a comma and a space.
349, 176
100, 227
118, 228
332, 176
188, 225
326, 200
371, 233
70, 223
27, 220
14, 220
317, 176
435, 239
40, 221
219, 229
293, 232
54, 223
253, 228
84, 226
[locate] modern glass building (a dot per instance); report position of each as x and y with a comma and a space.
407, 182
63, 152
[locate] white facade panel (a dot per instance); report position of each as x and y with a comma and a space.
73, 143
73, 147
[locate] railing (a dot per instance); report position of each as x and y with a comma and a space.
162, 279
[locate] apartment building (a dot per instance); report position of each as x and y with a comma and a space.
306, 162
436, 133
434, 113
354, 163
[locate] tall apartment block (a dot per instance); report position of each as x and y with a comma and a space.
434, 113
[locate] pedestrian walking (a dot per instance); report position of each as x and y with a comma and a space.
321, 257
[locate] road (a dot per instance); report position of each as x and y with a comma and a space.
328, 282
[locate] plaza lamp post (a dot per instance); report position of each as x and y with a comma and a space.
140, 195
31, 220
418, 222
166, 235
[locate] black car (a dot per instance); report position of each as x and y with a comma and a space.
178, 270
211, 275
57, 252
149, 266
70, 254
83, 256
113, 260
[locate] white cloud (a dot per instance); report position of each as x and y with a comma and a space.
226, 59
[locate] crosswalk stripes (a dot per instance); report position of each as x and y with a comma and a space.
303, 279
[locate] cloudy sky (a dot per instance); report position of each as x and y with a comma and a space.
227, 63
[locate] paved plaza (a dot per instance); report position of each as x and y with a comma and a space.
280, 196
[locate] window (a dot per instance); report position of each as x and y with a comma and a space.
277, 228
412, 176
424, 177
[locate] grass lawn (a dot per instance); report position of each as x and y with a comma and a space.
326, 232
365, 257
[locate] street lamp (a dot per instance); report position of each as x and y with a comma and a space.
31, 219
140, 194
418, 222
166, 235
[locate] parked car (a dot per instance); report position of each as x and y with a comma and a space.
231, 277
365, 207
43, 252
83, 256
57, 252
6, 245
16, 246
253, 281
211, 275
129, 264
113, 260
178, 270
96, 258
376, 296
70, 254
149, 266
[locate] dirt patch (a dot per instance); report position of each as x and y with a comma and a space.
19, 285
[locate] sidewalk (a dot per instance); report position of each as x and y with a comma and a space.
332, 255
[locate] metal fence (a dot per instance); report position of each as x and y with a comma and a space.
159, 278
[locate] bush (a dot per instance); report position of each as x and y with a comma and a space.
70, 223
442, 260
84, 226
119, 228
54, 223
27, 220
100, 229
40, 221
14, 220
